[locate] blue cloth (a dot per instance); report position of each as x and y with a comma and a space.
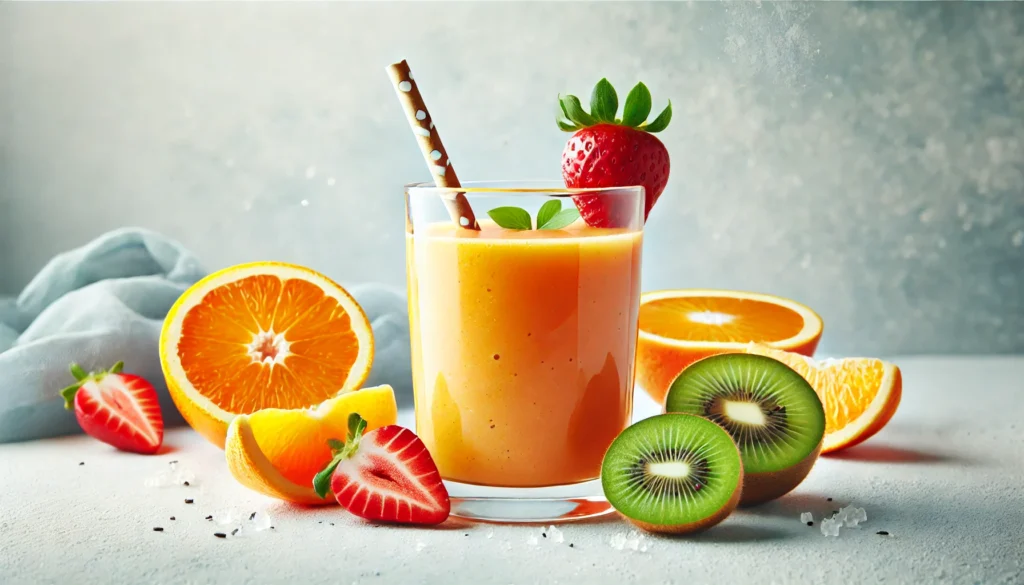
105, 302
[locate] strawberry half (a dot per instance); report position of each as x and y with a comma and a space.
119, 409
605, 151
386, 475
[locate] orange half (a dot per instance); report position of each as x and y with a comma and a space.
679, 327
261, 335
860, 395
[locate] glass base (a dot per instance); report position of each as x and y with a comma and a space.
564, 503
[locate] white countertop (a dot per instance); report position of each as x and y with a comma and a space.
945, 478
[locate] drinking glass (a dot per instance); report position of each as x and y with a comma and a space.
523, 345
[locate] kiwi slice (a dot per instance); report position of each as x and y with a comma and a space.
772, 413
674, 473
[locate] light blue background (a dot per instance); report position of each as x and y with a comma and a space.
866, 159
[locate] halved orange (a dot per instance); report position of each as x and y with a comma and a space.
277, 452
679, 327
261, 335
860, 395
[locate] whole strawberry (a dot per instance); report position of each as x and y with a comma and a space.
119, 409
605, 151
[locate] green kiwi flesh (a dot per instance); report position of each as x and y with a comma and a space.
673, 473
769, 409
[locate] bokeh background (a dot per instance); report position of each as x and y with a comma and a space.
866, 159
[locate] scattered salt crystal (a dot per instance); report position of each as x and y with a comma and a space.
618, 541
555, 534
806, 517
163, 478
643, 548
420, 545
830, 527
532, 541
225, 517
259, 521
490, 533
851, 516
633, 544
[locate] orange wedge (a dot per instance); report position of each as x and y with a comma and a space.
261, 335
679, 327
277, 452
860, 395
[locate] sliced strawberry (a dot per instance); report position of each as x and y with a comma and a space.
605, 151
386, 475
119, 409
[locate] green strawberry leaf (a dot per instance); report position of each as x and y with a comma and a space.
511, 218
322, 480
574, 112
118, 368
566, 127
560, 219
78, 372
661, 122
335, 445
604, 102
547, 211
638, 106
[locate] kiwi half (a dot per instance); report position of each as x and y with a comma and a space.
673, 473
771, 412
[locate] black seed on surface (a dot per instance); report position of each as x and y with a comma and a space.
209, 517
81, 462
172, 517
157, 529
332, 523
320, 522
189, 500
810, 523
234, 532
544, 534
835, 511
251, 516
186, 484
467, 534
175, 462
220, 535
882, 533
830, 499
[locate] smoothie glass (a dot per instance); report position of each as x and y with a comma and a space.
523, 346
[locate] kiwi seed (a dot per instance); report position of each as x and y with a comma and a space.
769, 409
673, 473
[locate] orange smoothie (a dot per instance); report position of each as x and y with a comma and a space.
523, 348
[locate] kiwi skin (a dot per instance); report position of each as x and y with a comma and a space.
759, 488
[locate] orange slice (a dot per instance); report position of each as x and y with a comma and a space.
679, 327
261, 335
860, 395
277, 452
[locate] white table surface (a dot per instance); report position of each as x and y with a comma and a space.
945, 478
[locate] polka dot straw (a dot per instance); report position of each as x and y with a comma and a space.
429, 141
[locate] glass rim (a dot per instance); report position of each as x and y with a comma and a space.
527, 186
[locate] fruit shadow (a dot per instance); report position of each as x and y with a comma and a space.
892, 454
733, 533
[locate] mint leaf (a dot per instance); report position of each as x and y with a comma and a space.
560, 219
604, 102
322, 480
638, 105
574, 112
511, 218
661, 122
547, 211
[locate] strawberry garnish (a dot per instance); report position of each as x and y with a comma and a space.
605, 151
119, 409
386, 475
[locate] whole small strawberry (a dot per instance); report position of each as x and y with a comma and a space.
386, 475
605, 151
119, 409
